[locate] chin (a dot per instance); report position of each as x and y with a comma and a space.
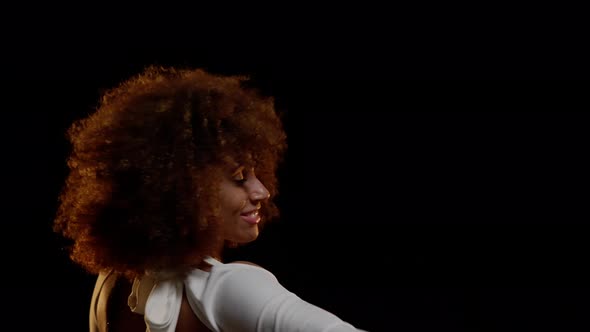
248, 238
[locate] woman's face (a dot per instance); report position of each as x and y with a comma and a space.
241, 195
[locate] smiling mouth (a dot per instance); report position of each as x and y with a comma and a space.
251, 217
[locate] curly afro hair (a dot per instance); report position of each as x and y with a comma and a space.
141, 193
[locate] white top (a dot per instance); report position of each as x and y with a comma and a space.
232, 297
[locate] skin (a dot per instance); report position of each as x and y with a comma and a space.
240, 192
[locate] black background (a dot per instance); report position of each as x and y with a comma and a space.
413, 199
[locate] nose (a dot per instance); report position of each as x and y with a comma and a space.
258, 191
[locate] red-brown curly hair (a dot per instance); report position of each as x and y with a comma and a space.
145, 167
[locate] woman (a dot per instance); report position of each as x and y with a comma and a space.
174, 166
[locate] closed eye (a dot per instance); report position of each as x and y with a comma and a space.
238, 175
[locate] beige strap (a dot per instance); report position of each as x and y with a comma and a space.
140, 291
98, 306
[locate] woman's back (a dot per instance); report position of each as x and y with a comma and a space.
226, 297
119, 316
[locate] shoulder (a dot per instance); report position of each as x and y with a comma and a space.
245, 262
238, 274
242, 272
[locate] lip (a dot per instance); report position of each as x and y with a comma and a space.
251, 219
248, 212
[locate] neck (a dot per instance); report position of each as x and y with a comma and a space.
218, 254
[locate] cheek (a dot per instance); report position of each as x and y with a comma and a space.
233, 202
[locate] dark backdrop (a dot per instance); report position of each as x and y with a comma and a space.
407, 205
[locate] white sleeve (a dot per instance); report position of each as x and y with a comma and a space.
252, 299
